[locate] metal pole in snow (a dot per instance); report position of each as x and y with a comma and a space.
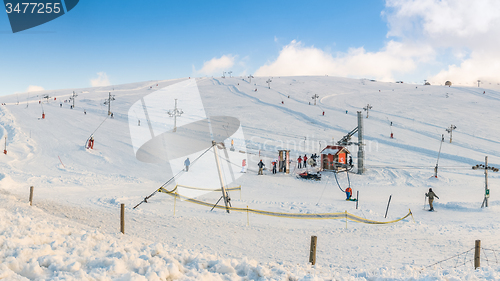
361, 150
387, 210
219, 169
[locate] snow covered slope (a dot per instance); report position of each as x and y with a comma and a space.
74, 185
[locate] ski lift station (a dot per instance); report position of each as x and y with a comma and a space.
334, 158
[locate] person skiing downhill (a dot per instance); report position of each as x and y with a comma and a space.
431, 196
299, 161
261, 167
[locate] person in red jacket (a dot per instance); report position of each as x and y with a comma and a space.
91, 143
299, 161
305, 161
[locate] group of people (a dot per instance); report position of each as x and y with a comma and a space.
302, 161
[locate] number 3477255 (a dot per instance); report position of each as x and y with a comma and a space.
39, 8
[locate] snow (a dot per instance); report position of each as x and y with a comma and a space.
72, 230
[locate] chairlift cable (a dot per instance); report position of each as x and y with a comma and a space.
172, 178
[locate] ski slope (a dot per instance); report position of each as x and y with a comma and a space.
78, 192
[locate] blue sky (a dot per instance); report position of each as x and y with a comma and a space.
132, 41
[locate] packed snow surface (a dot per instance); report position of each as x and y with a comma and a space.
72, 231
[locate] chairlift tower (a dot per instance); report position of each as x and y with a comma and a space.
450, 130
346, 140
485, 167
439, 153
223, 74
269, 83
230, 72
174, 113
46, 97
478, 81
72, 98
250, 77
108, 102
315, 97
367, 109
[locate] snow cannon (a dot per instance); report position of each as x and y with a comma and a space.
173, 134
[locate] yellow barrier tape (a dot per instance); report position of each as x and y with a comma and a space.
197, 188
284, 215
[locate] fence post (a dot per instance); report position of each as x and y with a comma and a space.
122, 218
31, 195
477, 255
312, 253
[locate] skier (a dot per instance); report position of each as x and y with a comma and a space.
111, 114
348, 193
187, 163
350, 161
431, 196
274, 165
243, 165
299, 161
91, 142
85, 112
60, 105
261, 167
305, 161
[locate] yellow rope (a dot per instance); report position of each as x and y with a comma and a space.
284, 215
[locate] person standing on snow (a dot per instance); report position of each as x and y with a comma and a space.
274, 165
350, 161
305, 161
261, 167
187, 163
299, 161
348, 193
243, 165
431, 196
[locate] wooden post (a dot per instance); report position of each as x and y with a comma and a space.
31, 195
477, 255
312, 253
122, 218
345, 219
248, 218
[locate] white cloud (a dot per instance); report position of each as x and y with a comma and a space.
469, 29
217, 65
101, 80
33, 88
457, 39
296, 59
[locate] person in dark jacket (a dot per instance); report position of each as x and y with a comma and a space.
431, 196
261, 167
187, 163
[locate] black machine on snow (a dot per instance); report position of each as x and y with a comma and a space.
309, 176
